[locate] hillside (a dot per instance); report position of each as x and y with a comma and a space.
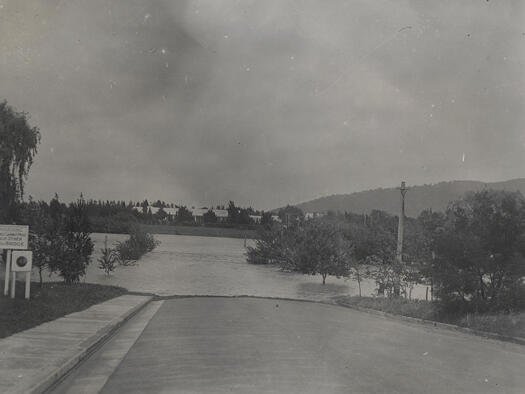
418, 198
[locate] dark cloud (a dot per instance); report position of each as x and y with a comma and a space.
264, 103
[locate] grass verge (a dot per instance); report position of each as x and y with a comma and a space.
201, 231
50, 302
508, 324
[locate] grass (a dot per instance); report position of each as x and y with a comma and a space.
508, 324
202, 231
50, 302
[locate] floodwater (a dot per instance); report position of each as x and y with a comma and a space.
192, 265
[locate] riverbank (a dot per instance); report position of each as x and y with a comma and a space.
53, 300
201, 231
507, 324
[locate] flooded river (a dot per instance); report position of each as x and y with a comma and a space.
192, 265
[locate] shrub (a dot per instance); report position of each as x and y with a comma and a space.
71, 246
138, 243
270, 245
311, 248
109, 258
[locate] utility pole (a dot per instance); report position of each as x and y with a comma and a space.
401, 224
400, 234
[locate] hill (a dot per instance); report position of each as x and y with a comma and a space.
435, 196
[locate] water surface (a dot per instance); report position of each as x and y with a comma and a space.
193, 265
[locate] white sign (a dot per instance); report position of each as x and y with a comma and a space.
13, 236
21, 260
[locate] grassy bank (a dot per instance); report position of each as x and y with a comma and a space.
199, 231
509, 324
52, 301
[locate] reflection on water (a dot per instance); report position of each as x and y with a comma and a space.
191, 265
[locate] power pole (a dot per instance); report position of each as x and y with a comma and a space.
401, 224
400, 235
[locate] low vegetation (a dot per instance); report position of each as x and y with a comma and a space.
108, 259
419, 309
138, 243
50, 302
509, 324
201, 231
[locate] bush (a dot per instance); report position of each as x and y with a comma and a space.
269, 247
311, 248
109, 258
69, 251
480, 257
138, 243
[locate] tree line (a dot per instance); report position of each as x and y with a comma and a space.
120, 217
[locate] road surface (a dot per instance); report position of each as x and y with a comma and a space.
248, 345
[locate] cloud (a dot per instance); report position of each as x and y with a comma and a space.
265, 103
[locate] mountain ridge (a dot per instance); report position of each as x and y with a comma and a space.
419, 197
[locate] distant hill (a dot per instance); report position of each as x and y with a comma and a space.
435, 196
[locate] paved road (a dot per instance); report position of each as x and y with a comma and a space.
245, 345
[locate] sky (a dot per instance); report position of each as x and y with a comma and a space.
265, 103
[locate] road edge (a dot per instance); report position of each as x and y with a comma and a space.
446, 326
88, 346
414, 320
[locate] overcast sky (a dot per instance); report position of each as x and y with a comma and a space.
264, 102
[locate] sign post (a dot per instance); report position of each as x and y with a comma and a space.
14, 237
7, 271
28, 284
13, 284
21, 261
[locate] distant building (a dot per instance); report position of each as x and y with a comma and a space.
153, 210
198, 214
171, 211
313, 215
256, 218
222, 215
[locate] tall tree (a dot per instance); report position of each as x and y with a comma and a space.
184, 215
290, 215
18, 146
233, 212
209, 217
266, 218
